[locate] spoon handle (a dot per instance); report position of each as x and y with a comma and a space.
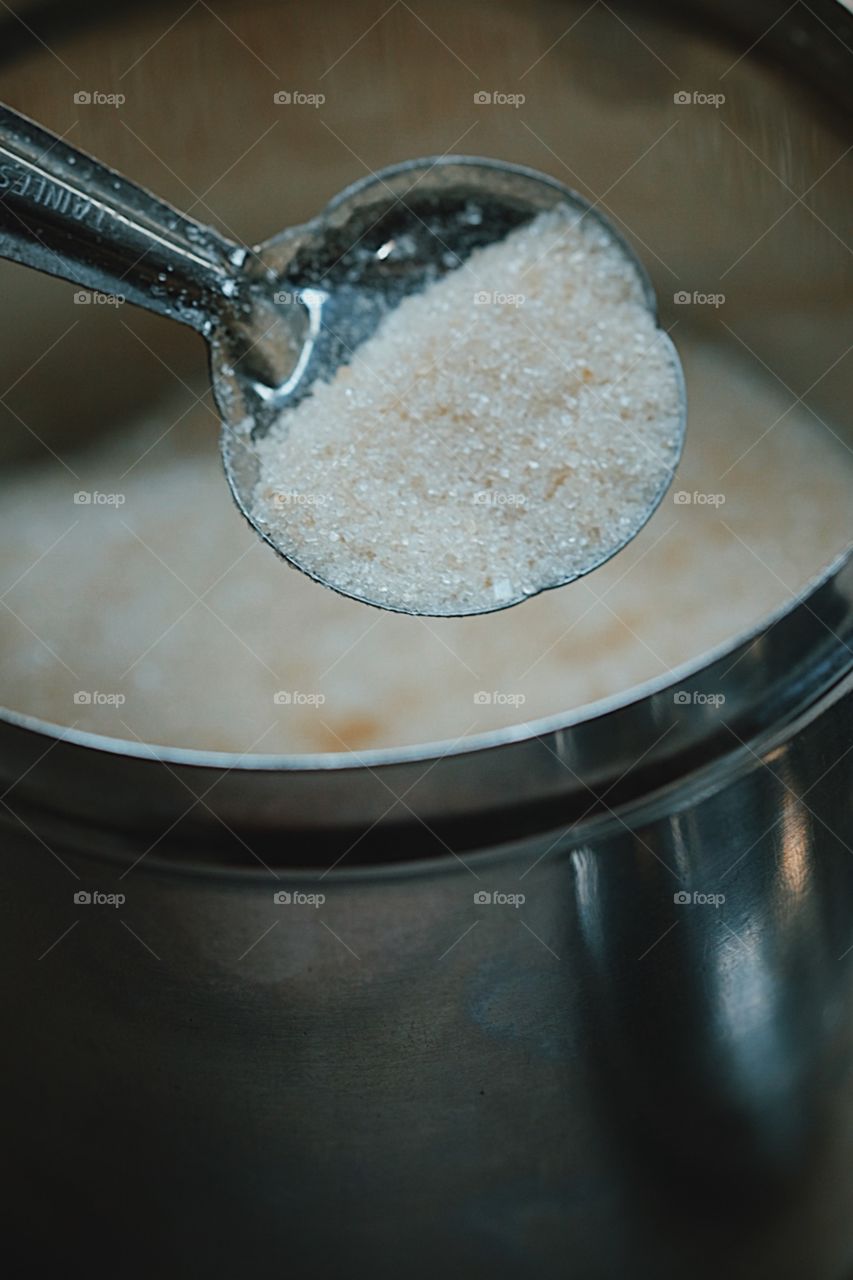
68, 215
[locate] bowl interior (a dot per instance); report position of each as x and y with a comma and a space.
725, 171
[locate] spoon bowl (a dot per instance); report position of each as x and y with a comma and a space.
333, 281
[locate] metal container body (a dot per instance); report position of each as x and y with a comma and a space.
601, 1080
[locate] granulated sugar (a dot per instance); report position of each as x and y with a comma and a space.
504, 431
180, 627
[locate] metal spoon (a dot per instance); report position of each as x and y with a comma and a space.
279, 316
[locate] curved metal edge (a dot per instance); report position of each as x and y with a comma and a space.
673, 798
528, 776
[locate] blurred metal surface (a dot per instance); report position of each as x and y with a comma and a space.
602, 1082
599, 1082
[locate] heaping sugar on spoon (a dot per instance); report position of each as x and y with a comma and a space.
504, 431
